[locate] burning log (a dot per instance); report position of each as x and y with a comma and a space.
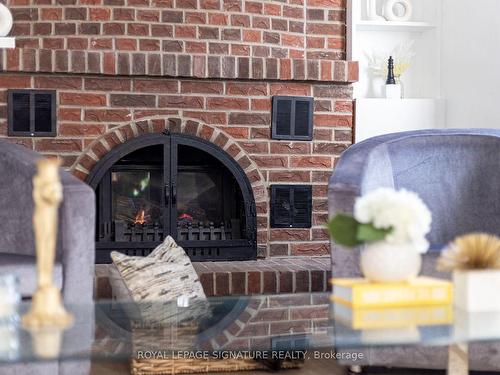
140, 218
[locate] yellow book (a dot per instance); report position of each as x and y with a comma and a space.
392, 317
420, 291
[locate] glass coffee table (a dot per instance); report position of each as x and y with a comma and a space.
274, 327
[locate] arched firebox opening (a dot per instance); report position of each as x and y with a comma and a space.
173, 184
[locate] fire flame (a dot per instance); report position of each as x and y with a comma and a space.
140, 218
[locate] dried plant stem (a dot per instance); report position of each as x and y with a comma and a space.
475, 251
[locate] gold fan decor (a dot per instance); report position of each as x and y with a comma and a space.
474, 260
475, 251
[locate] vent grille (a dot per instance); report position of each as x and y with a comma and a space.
291, 206
302, 118
292, 118
302, 205
282, 211
32, 113
21, 112
283, 117
43, 113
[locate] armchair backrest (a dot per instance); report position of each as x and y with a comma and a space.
455, 171
17, 168
458, 177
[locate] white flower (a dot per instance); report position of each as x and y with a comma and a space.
402, 210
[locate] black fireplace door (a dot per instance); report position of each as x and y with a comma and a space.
174, 185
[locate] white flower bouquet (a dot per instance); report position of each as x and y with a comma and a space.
397, 217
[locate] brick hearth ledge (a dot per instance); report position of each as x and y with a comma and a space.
276, 275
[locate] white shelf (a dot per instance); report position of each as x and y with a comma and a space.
394, 26
7, 42
422, 107
377, 116
387, 100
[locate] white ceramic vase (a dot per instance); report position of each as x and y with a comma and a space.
477, 290
393, 91
5, 20
371, 11
390, 336
389, 10
386, 262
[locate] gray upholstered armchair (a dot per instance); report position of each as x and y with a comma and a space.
74, 270
457, 173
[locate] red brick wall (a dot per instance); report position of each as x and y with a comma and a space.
267, 318
117, 76
175, 37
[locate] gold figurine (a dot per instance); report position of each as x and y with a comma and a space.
47, 309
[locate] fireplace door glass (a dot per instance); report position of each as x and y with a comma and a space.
200, 199
208, 201
136, 197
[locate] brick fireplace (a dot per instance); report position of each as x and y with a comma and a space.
207, 69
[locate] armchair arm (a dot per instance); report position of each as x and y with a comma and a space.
77, 240
77, 252
345, 261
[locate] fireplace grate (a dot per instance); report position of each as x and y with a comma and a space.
138, 232
125, 232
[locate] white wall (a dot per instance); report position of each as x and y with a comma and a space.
470, 59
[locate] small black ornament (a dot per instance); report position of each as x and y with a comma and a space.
390, 72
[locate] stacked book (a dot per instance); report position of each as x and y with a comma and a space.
363, 305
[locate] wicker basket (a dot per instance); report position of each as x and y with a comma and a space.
196, 366
179, 335
182, 337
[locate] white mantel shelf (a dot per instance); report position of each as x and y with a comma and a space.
7, 42
394, 26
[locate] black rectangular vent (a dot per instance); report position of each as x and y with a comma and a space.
292, 117
291, 206
32, 113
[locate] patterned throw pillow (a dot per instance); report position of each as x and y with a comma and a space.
169, 251
156, 281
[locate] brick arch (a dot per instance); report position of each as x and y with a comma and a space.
121, 134
237, 333
265, 318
